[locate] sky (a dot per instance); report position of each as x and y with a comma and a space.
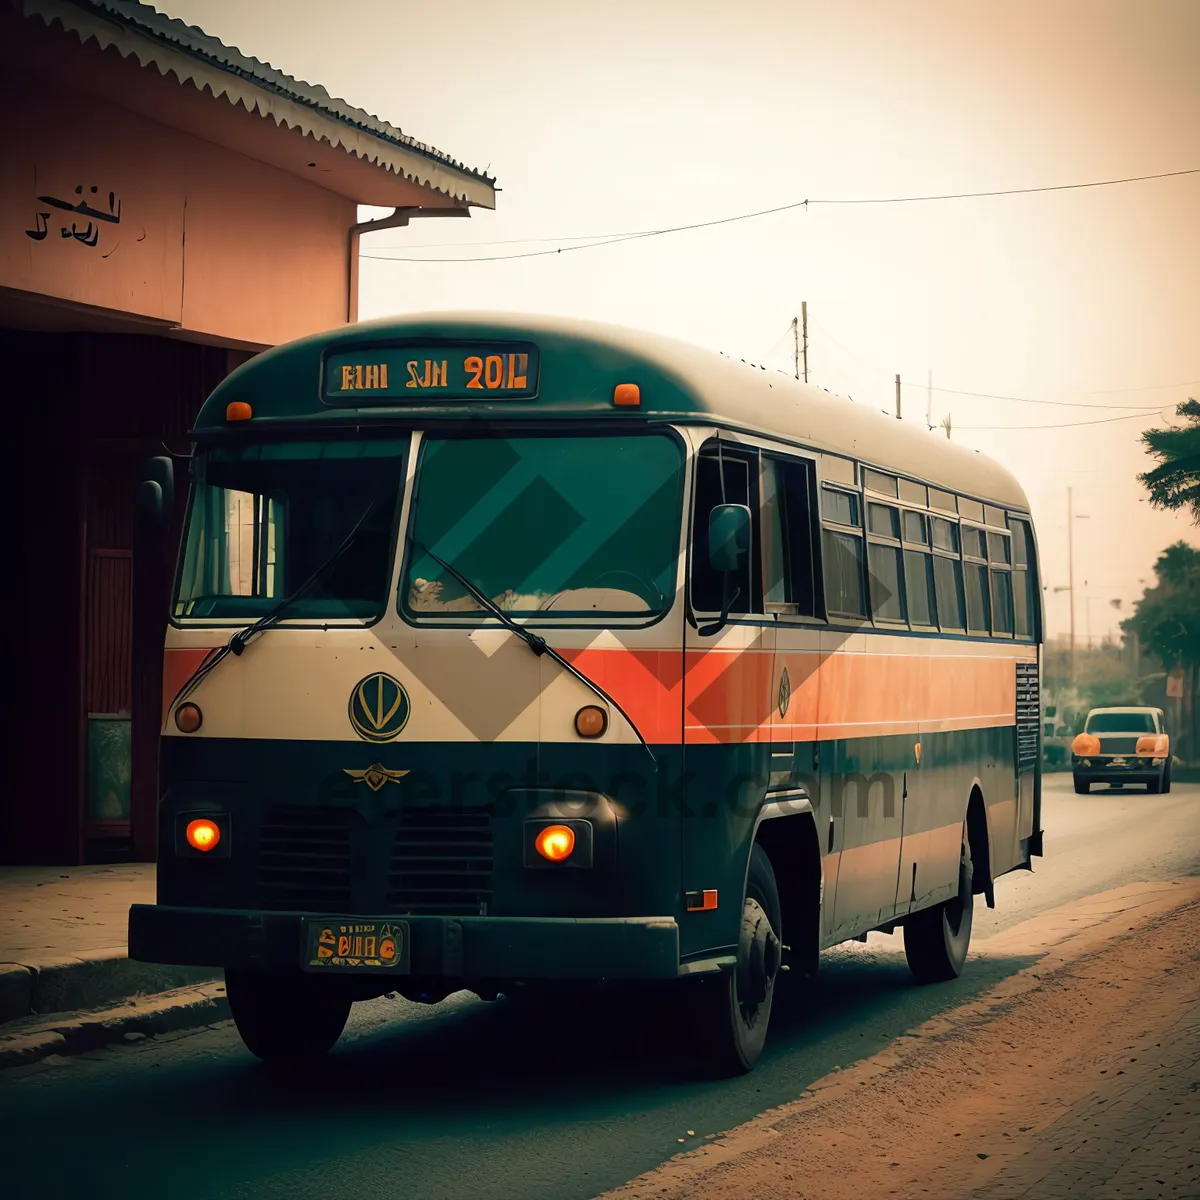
633, 116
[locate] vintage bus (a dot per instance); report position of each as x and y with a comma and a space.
511, 653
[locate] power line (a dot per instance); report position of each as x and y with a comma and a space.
592, 241
1150, 387
1066, 425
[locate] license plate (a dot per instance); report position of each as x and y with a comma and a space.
355, 946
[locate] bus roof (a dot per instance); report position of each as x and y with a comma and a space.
581, 362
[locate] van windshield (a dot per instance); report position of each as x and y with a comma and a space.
264, 517
561, 526
1121, 722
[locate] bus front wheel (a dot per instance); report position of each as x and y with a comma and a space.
730, 1012
285, 1018
936, 939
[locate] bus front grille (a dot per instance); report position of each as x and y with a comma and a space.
304, 860
441, 862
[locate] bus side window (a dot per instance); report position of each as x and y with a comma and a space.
975, 575
842, 551
947, 575
707, 584
791, 582
1024, 579
885, 572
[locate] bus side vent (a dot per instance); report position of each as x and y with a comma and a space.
304, 860
1028, 715
441, 861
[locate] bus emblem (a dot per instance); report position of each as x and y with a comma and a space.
379, 708
375, 776
785, 693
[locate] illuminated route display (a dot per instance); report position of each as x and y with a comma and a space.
420, 373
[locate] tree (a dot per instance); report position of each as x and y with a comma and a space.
1175, 482
1167, 621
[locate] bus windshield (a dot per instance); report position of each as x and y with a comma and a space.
581, 525
264, 517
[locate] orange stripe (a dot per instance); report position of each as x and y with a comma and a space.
178, 666
646, 683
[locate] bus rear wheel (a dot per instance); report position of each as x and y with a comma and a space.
285, 1018
730, 1012
936, 939
1082, 786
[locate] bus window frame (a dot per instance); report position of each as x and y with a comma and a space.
768, 459
975, 560
924, 548
857, 530
197, 476
895, 544
436, 430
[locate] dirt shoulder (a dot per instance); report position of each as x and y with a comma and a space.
1075, 1077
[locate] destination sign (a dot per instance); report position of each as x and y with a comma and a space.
420, 373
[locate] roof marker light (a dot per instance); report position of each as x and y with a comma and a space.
627, 395
238, 410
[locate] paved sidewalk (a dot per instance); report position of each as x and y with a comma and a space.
63, 939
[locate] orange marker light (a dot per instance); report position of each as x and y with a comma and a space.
627, 395
591, 721
555, 842
238, 410
203, 834
188, 718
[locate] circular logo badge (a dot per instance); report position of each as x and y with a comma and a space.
379, 708
785, 693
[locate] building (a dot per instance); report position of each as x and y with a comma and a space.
170, 207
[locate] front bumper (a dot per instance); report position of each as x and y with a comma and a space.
1099, 769
467, 948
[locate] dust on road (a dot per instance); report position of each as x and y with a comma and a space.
1074, 1075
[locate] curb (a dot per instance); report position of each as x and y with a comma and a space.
31, 1039
99, 977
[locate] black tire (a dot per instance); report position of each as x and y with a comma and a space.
285, 1018
1082, 786
1154, 786
729, 1013
936, 939
1166, 777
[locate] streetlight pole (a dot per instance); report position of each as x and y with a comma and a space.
1071, 579
1072, 517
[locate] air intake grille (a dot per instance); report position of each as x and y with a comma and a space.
1028, 715
441, 862
304, 860
1118, 745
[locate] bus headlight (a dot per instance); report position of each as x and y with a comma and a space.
202, 835
551, 843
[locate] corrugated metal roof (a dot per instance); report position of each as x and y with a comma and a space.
137, 28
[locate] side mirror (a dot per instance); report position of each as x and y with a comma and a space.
728, 537
155, 496
148, 504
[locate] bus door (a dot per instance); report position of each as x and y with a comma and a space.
792, 594
728, 700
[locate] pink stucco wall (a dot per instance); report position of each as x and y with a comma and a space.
209, 242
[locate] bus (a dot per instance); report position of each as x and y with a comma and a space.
510, 654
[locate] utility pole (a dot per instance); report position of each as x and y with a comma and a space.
804, 319
1071, 578
897, 397
796, 346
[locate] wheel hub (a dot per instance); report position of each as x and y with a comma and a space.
759, 954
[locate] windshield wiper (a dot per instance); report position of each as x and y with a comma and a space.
241, 638
537, 644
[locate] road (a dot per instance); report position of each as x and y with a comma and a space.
478, 1100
